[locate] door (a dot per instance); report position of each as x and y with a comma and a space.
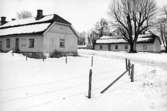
109, 47
17, 45
0, 45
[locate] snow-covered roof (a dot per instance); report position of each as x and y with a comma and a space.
25, 29
109, 37
144, 38
30, 25
111, 40
25, 21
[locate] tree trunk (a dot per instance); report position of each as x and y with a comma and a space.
132, 47
93, 44
166, 49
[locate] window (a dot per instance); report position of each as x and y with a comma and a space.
116, 46
62, 43
0, 45
7, 43
31, 43
144, 47
109, 47
126, 46
101, 47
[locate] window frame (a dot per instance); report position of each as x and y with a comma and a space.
62, 43
31, 43
145, 47
0, 45
101, 47
7, 43
126, 47
109, 47
116, 46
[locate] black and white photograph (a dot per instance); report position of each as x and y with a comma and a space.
83, 55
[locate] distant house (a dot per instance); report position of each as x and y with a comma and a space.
38, 36
145, 43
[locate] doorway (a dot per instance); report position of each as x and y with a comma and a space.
0, 45
17, 45
109, 47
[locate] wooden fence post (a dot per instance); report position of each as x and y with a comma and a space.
129, 67
66, 60
26, 58
126, 63
43, 58
90, 84
132, 74
12, 53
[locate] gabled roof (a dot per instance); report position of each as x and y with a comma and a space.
30, 25
25, 29
26, 21
110, 40
32, 20
146, 38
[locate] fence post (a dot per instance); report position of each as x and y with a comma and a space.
43, 58
132, 74
92, 61
12, 53
66, 60
129, 63
126, 63
129, 67
90, 84
26, 58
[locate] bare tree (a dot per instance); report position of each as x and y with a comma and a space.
132, 17
81, 39
101, 26
163, 21
100, 29
93, 36
164, 12
24, 14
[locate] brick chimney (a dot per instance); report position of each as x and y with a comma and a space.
39, 14
3, 20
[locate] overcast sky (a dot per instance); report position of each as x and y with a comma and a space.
83, 14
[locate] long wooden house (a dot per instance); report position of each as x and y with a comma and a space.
145, 43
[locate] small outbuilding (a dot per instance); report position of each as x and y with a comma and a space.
145, 43
38, 36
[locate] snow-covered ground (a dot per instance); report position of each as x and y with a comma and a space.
53, 85
157, 59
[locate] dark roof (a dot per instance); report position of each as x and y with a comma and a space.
57, 18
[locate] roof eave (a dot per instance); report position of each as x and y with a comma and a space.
34, 33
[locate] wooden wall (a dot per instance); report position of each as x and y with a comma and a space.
141, 47
23, 43
54, 34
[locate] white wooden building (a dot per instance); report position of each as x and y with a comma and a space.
38, 36
145, 43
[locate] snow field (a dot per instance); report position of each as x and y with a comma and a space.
53, 85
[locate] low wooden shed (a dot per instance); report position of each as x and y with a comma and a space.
145, 43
